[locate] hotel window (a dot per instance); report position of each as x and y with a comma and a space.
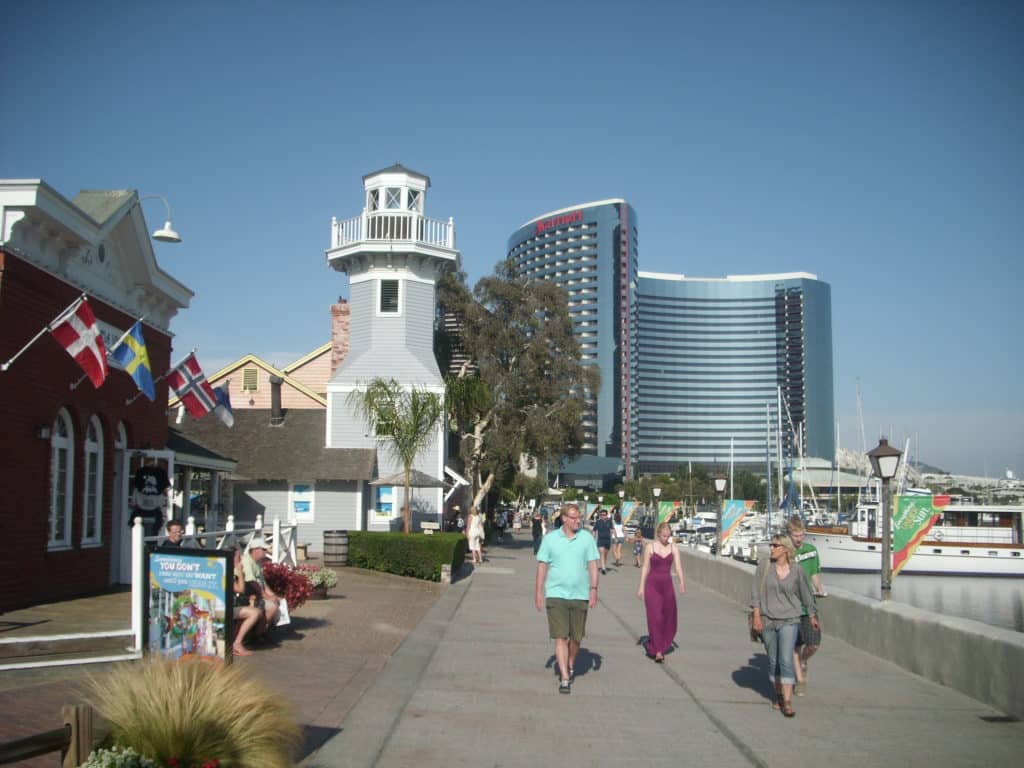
389, 296
92, 504
393, 198
61, 470
250, 380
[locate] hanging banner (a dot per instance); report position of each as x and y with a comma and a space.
733, 512
669, 510
913, 517
189, 610
628, 508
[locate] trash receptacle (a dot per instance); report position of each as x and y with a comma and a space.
336, 548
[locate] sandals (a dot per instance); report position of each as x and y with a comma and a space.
787, 709
777, 702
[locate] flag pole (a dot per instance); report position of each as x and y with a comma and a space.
162, 376
48, 327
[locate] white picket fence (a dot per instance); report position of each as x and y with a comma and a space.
281, 538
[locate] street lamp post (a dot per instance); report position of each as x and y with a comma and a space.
885, 460
720, 481
654, 525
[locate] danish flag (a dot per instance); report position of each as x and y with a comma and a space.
190, 385
76, 330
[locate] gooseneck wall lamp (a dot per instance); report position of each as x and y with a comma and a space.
166, 234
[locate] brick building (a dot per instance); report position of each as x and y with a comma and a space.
66, 454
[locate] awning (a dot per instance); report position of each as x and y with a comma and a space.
417, 479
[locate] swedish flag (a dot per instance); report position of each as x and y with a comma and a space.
130, 355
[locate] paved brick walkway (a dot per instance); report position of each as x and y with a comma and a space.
349, 636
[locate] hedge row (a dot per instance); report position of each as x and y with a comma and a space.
416, 554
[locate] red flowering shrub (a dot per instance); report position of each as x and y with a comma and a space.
293, 586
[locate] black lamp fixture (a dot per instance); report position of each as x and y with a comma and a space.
885, 460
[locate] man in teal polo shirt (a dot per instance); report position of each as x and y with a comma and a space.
567, 588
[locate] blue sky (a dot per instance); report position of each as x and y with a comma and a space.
877, 145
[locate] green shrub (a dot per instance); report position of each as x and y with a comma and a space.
406, 554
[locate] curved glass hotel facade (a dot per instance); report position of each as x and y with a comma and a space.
591, 250
714, 358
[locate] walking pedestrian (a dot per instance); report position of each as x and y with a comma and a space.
778, 596
603, 534
618, 536
566, 588
661, 557
475, 535
537, 529
638, 548
808, 637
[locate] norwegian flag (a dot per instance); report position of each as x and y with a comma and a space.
76, 330
190, 385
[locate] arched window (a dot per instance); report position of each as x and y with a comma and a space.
62, 464
92, 503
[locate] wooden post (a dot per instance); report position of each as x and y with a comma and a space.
79, 718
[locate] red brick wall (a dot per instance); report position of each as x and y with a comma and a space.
341, 315
31, 393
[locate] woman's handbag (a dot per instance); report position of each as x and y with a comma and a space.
755, 635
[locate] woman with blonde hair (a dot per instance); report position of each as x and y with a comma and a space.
475, 535
661, 557
781, 591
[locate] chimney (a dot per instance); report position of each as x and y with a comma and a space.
341, 314
276, 417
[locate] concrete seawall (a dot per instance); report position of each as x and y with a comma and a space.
986, 663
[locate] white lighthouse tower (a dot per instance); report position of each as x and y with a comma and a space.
393, 255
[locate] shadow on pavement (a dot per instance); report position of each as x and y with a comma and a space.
755, 676
586, 661
314, 737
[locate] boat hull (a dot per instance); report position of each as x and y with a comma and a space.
857, 554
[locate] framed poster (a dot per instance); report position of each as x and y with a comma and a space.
385, 501
300, 507
188, 603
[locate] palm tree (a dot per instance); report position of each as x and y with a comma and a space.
406, 418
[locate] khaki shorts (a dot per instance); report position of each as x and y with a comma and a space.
567, 618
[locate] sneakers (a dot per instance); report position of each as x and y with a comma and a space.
572, 675
565, 687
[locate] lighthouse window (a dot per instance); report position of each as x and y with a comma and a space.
374, 199
388, 295
393, 198
414, 200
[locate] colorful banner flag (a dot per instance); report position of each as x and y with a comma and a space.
628, 508
130, 354
733, 512
668, 510
190, 385
75, 329
223, 408
913, 517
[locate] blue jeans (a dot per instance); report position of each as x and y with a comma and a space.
779, 642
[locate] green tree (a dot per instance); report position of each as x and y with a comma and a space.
406, 418
527, 390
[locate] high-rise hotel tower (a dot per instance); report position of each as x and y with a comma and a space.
591, 251
716, 356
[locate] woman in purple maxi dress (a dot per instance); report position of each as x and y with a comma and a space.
661, 557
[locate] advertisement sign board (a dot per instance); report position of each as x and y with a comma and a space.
188, 603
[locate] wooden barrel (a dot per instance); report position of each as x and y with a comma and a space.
335, 548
